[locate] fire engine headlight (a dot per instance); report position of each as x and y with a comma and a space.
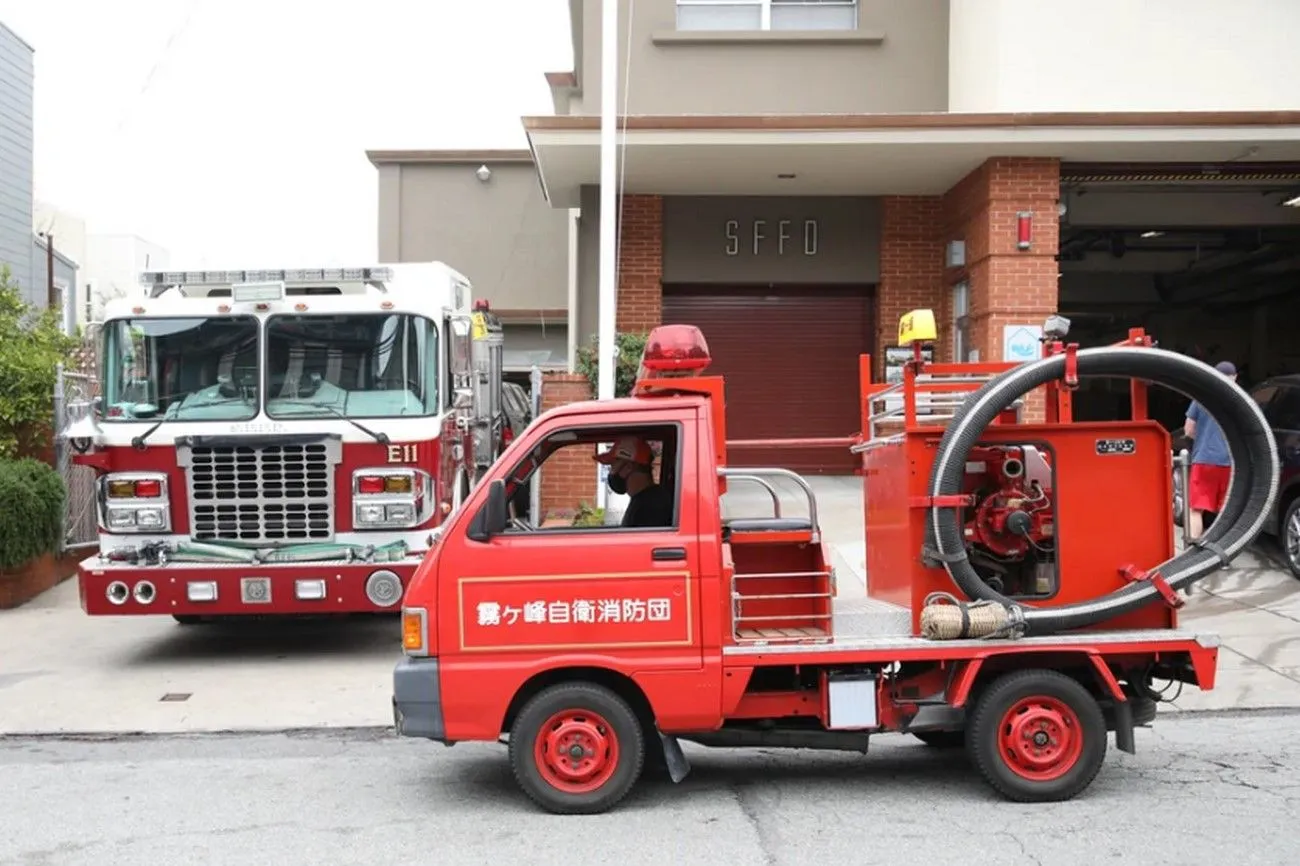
370, 514
402, 512
391, 498
127, 519
134, 502
149, 518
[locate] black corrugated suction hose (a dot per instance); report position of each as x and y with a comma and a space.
1251, 495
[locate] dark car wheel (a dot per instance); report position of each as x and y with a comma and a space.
1289, 536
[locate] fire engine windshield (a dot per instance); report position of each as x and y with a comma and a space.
380, 365
193, 369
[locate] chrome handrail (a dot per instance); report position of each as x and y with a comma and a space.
726, 472
776, 498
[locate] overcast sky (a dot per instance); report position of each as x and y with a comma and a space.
234, 132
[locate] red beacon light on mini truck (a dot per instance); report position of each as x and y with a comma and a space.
674, 351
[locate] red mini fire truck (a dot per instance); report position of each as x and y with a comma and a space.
992, 620
284, 442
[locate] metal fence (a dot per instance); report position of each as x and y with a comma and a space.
74, 393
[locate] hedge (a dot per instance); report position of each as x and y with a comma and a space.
629, 347
32, 499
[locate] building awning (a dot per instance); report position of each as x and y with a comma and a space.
876, 154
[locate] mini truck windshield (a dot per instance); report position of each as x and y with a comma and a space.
358, 365
182, 369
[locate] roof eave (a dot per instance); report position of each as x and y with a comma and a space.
448, 157
930, 120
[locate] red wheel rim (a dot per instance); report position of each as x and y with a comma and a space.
1040, 738
576, 751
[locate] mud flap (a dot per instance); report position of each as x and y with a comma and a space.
1124, 739
678, 766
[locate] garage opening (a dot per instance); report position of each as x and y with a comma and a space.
790, 358
1206, 258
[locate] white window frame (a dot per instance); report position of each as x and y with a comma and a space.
765, 7
961, 322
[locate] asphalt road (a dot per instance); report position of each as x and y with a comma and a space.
1203, 789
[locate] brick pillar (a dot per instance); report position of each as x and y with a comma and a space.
641, 264
1007, 285
568, 478
911, 270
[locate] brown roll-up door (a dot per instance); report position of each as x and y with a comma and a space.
790, 358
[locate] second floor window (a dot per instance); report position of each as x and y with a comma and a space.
767, 14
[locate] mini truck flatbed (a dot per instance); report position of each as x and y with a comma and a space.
593, 650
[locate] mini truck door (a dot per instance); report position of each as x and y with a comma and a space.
557, 590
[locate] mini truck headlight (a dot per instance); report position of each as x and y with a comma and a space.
391, 498
135, 502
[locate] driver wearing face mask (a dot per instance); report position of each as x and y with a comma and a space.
630, 464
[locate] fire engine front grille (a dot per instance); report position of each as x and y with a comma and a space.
264, 492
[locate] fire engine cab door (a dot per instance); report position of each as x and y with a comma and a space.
553, 588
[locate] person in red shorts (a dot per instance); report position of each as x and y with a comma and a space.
1211, 461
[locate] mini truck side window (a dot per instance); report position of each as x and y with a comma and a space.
563, 462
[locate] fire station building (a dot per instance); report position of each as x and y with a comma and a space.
796, 174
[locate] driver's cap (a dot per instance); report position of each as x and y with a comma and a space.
630, 448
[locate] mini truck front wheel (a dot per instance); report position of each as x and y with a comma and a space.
1037, 736
576, 748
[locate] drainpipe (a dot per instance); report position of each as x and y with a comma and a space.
608, 204
573, 289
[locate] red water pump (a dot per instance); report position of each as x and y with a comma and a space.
1011, 519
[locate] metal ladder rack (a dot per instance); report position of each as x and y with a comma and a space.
817, 630
926, 402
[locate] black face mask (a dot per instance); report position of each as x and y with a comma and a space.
618, 484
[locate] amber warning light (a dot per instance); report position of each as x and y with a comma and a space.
674, 351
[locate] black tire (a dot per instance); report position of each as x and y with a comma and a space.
187, 618
942, 739
1288, 537
588, 707
1062, 699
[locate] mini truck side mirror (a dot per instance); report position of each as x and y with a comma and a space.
491, 517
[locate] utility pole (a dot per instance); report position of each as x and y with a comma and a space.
49, 268
608, 212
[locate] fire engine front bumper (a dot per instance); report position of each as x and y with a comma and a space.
417, 700
234, 589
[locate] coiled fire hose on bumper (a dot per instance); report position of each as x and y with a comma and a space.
1252, 491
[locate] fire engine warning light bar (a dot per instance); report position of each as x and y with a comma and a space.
298, 275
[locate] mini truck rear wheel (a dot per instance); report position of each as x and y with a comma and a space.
1037, 736
576, 748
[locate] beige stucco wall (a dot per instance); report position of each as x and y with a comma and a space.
669, 72
501, 234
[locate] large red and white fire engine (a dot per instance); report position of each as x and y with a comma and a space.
284, 441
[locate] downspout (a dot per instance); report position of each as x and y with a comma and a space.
573, 288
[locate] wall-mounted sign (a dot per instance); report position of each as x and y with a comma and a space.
1022, 343
771, 240
797, 237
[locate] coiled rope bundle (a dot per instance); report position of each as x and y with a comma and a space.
944, 617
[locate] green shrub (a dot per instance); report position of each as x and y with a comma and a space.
32, 345
31, 518
629, 346
589, 515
